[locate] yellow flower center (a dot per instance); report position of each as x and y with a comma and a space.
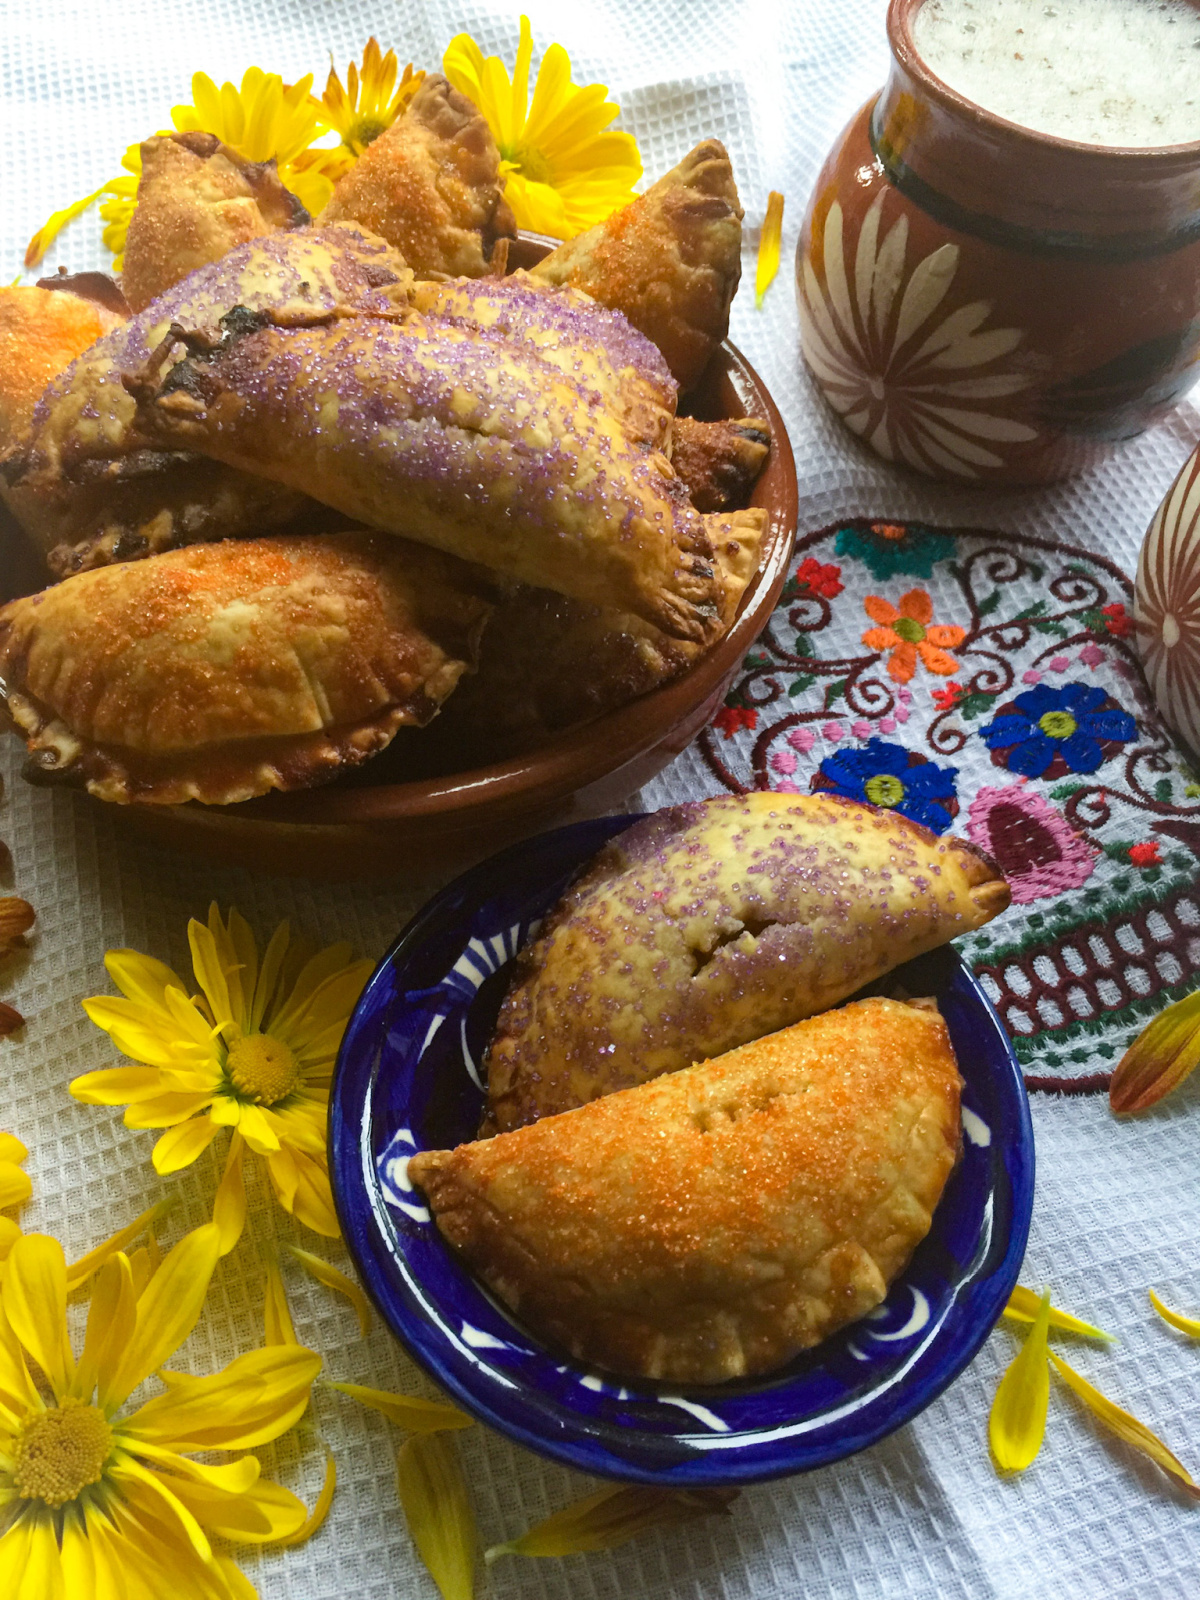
60, 1452
262, 1068
909, 628
531, 164
1057, 724
884, 790
362, 131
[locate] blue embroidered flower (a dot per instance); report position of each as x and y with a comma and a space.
889, 775
1050, 731
889, 548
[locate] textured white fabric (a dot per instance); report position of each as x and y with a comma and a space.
1118, 1207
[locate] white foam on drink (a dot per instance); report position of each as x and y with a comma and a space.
1109, 72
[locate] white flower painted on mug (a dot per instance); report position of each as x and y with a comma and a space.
905, 380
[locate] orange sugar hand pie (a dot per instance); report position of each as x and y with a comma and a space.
711, 1224
711, 923
222, 671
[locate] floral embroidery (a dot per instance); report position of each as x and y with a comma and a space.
730, 718
891, 548
802, 739
1145, 855
907, 631
823, 578
1117, 619
897, 779
1045, 733
1091, 655
912, 382
945, 699
1031, 841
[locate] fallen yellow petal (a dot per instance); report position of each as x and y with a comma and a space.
1127, 1428
36, 249
768, 246
1159, 1059
329, 1275
80, 1271
278, 1327
1188, 1325
405, 1410
319, 1512
1023, 1307
433, 1492
229, 1206
1018, 1419
608, 1518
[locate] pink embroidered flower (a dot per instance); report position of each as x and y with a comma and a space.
901, 714
888, 724
1116, 619
948, 697
1032, 676
730, 718
832, 730
822, 579
861, 730
908, 631
903, 694
1091, 655
784, 761
785, 786
1059, 663
1145, 855
1034, 845
802, 739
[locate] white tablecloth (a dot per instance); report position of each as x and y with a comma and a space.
1118, 1208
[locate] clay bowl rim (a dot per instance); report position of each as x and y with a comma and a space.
579, 756
900, 17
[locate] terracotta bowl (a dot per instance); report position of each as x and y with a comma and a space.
364, 829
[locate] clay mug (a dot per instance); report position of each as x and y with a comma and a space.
1167, 605
988, 304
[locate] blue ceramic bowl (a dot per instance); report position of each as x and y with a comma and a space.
408, 1078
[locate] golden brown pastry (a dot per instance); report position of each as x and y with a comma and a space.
41, 333
719, 461
196, 200
430, 185
712, 1223
670, 260
548, 663
88, 488
712, 923
460, 437
222, 671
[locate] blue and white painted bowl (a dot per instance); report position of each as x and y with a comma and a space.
408, 1078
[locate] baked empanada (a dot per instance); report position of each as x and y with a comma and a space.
463, 438
670, 260
719, 461
712, 923
85, 485
711, 1224
196, 200
430, 185
222, 671
41, 333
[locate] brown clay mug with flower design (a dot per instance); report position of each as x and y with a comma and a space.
989, 304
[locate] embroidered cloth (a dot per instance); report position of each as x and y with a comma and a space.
996, 696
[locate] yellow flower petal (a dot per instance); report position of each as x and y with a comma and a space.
18, 1394
433, 1493
768, 246
229, 1208
261, 1513
213, 963
1126, 1427
80, 1271
15, 1186
9, 1234
35, 250
112, 1318
30, 1567
302, 1187
35, 1300
319, 1511
1159, 1059
142, 979
1023, 1306
168, 1310
11, 1149
1018, 1418
608, 1518
138, 1483
115, 1086
329, 1275
405, 1410
278, 1327
1188, 1325
180, 1145
253, 1400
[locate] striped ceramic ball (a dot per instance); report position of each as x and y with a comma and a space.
1167, 607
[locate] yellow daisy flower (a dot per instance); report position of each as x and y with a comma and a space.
15, 1189
563, 173
370, 101
261, 120
253, 1052
96, 1504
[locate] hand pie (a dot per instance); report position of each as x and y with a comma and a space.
222, 671
670, 260
85, 486
711, 923
196, 200
430, 185
719, 461
463, 438
713, 1223
41, 333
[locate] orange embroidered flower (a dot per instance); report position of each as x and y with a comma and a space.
908, 631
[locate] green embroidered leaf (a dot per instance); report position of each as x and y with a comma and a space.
802, 683
1035, 610
1162, 789
1118, 849
1064, 791
1046, 626
802, 646
755, 660
989, 603
834, 693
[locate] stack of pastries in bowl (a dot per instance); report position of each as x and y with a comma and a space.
310, 488
695, 1159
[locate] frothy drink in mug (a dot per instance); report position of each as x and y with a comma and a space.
1123, 73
